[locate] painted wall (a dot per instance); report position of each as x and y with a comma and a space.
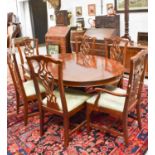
21, 9
138, 22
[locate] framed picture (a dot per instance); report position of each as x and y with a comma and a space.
134, 5
110, 9
91, 9
78, 11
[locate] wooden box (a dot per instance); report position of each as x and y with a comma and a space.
59, 35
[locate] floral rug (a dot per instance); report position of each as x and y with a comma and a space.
25, 140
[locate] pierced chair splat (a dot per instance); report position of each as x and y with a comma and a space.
115, 52
30, 48
119, 102
60, 101
84, 44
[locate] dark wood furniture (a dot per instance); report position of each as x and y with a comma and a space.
118, 102
108, 22
25, 91
61, 101
30, 47
88, 70
62, 18
59, 35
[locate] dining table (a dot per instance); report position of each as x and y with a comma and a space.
81, 70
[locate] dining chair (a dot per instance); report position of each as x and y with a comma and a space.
116, 48
61, 101
118, 102
84, 44
25, 91
29, 48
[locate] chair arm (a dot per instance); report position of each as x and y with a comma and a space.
110, 92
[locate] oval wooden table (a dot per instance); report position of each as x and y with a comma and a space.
88, 70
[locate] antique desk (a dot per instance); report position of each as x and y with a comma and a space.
88, 70
59, 35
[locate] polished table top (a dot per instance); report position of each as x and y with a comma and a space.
88, 70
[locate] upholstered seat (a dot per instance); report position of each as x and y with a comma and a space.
74, 98
30, 89
110, 101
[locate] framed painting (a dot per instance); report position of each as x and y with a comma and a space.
78, 10
91, 9
134, 5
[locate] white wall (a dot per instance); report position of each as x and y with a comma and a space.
138, 22
11, 6
21, 9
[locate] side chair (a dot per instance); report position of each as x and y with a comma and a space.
25, 91
29, 48
84, 44
116, 48
118, 102
61, 101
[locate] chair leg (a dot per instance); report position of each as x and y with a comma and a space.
125, 130
25, 113
17, 102
42, 114
66, 132
139, 116
120, 84
88, 117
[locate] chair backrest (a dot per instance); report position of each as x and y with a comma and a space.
52, 48
86, 44
30, 48
15, 74
117, 50
46, 76
136, 78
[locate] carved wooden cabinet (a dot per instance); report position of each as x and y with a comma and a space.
59, 35
108, 22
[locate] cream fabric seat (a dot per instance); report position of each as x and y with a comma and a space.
110, 101
74, 98
30, 89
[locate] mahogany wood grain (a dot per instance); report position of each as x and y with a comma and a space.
87, 70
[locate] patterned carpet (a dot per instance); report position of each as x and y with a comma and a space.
25, 140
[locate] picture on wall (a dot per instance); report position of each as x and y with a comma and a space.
78, 11
134, 5
110, 9
91, 9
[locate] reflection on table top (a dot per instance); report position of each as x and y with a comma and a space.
88, 70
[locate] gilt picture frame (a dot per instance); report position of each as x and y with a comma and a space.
78, 10
134, 5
